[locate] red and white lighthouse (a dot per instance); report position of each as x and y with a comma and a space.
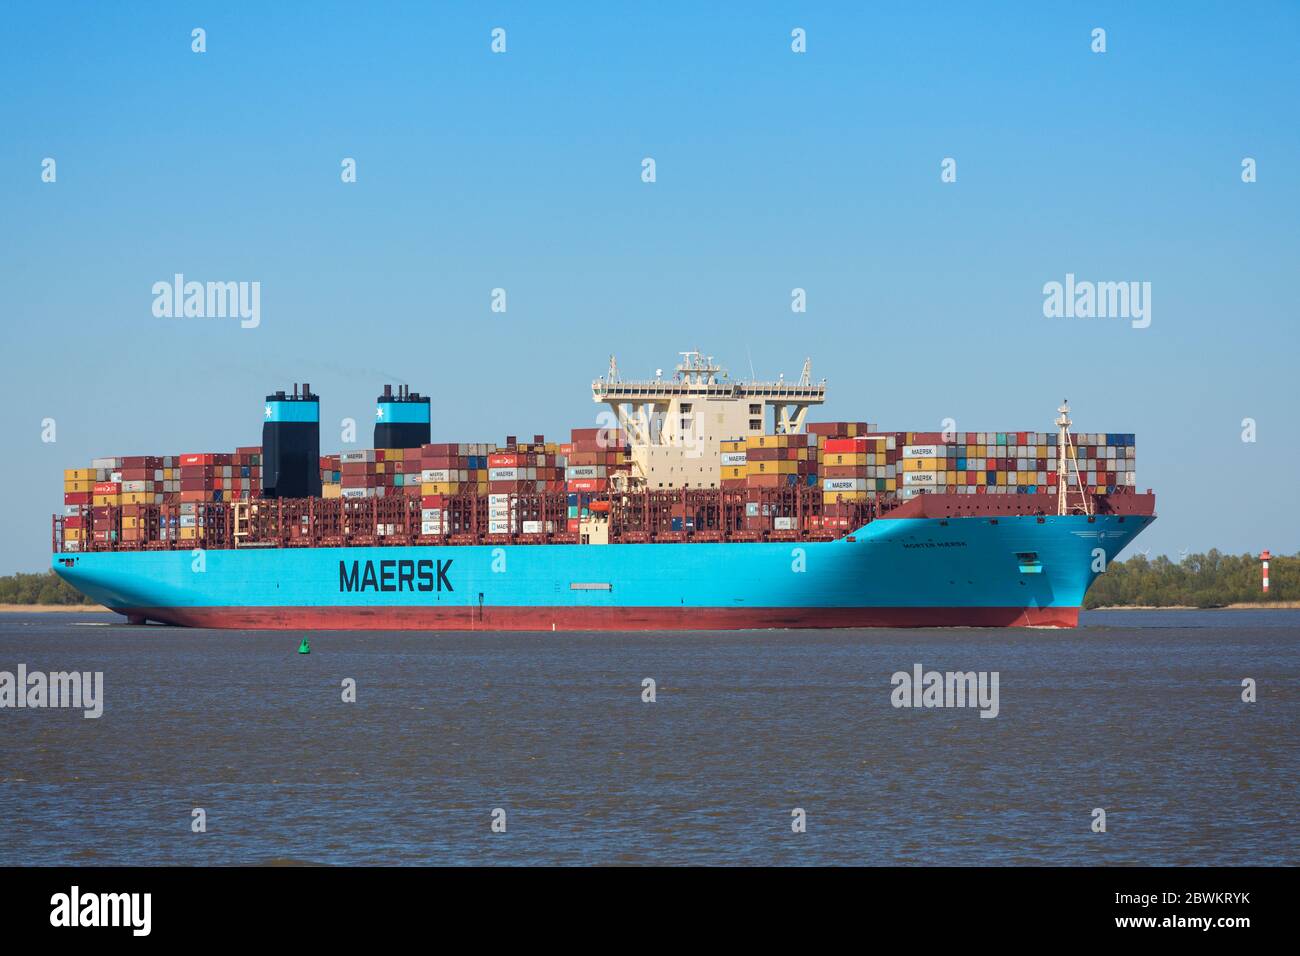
1263, 557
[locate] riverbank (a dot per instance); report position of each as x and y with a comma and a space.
1239, 606
45, 608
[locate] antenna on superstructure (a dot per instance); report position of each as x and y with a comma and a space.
613, 369
1064, 445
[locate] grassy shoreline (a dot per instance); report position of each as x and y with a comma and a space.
1239, 606
46, 608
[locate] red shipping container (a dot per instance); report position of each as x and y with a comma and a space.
106, 488
76, 497
440, 463
503, 461
838, 446
587, 484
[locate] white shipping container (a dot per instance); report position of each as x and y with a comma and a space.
532, 527
359, 492
919, 478
844, 484
733, 459
584, 471
364, 454
438, 474
499, 527
921, 451
503, 474
783, 524
430, 527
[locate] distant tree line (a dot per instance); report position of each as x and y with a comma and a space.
47, 588
1198, 580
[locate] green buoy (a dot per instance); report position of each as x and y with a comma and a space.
304, 647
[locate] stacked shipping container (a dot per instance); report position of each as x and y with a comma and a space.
144, 499
1014, 462
592, 458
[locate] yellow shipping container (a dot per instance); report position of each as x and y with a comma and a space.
393, 454
101, 500
141, 498
773, 467
733, 472
920, 464
79, 487
845, 459
71, 534
331, 490
891, 484
439, 487
732, 445
79, 474
830, 497
189, 533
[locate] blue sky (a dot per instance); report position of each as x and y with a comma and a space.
774, 171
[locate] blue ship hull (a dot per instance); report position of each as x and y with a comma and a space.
1017, 570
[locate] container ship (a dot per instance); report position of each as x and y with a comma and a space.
701, 502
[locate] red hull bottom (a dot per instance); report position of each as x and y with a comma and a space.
598, 618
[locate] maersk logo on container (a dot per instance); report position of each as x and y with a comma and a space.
1098, 300
212, 300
